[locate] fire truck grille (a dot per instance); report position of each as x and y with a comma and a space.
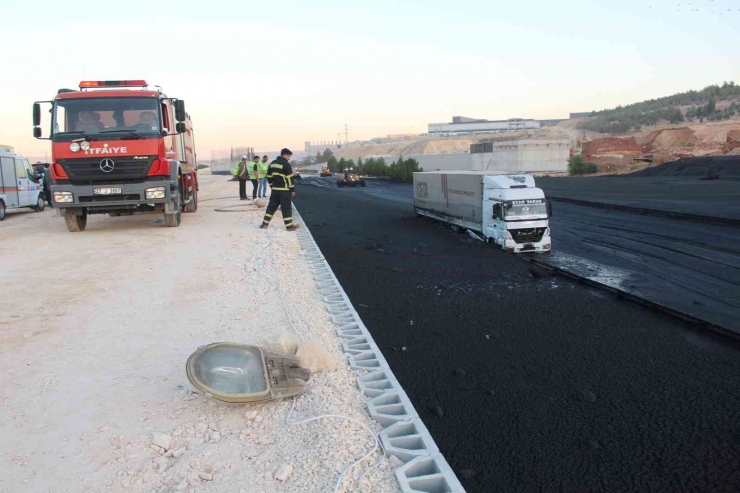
125, 169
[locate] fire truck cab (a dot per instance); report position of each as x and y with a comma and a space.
119, 148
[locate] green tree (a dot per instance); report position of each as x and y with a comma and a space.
578, 166
333, 164
403, 169
318, 158
326, 155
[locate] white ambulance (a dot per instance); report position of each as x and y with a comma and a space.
20, 186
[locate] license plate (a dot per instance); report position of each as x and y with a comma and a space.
108, 191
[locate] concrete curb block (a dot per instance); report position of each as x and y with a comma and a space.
391, 407
408, 440
404, 436
428, 474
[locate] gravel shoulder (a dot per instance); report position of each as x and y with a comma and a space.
95, 330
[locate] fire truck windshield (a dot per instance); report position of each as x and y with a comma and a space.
139, 117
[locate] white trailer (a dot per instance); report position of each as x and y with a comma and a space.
20, 186
506, 209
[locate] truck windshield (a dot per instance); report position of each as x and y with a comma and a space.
91, 116
524, 210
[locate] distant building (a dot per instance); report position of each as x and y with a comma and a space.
312, 148
462, 124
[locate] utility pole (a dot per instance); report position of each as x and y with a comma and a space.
346, 139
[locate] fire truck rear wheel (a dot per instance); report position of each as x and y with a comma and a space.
40, 204
192, 206
76, 224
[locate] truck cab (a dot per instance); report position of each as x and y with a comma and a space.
20, 185
119, 148
515, 214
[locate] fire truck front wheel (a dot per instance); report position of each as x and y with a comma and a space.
75, 223
2, 210
173, 211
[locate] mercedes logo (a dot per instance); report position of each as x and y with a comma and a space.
106, 165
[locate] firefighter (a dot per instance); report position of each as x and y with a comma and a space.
241, 175
254, 175
279, 176
262, 191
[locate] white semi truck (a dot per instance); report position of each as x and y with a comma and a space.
506, 209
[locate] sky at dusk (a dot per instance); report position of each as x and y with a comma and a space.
275, 74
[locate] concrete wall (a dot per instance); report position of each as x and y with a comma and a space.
524, 155
222, 168
442, 162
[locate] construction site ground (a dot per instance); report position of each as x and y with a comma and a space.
95, 331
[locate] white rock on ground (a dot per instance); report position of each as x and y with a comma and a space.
161, 440
284, 472
195, 284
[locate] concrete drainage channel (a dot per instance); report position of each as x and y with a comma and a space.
424, 470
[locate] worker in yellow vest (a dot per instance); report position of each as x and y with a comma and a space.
262, 191
254, 175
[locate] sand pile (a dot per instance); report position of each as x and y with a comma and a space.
670, 138
611, 147
732, 142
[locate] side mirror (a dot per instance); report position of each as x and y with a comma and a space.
180, 127
36, 114
37, 132
180, 110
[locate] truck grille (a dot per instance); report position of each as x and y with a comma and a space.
125, 170
109, 198
527, 235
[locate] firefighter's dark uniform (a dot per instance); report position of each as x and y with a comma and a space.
279, 176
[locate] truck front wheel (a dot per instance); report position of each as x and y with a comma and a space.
76, 224
2, 210
172, 219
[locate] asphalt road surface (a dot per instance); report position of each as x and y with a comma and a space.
530, 382
691, 267
683, 195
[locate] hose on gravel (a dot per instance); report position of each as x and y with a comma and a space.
377, 443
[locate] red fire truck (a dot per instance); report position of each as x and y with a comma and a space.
119, 148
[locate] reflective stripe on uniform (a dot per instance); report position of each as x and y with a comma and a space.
268, 215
